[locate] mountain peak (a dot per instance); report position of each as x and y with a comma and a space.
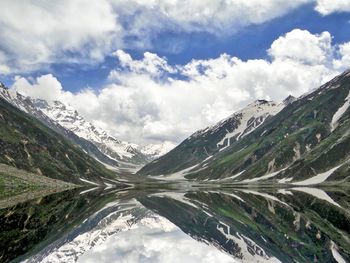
290, 99
157, 150
261, 101
68, 118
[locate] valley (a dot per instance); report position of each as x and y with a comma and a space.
268, 183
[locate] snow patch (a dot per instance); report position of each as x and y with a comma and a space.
229, 178
89, 182
340, 112
257, 110
285, 180
251, 252
176, 196
267, 176
155, 151
88, 190
284, 192
265, 196
336, 254
318, 193
180, 175
320, 178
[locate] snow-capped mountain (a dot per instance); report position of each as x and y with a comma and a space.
32, 142
204, 143
303, 141
242, 122
154, 151
67, 121
70, 119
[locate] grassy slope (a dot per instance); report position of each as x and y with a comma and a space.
297, 126
303, 127
18, 185
28, 144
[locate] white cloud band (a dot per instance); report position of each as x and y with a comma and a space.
140, 105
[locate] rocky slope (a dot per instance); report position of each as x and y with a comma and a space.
305, 143
202, 145
69, 118
28, 144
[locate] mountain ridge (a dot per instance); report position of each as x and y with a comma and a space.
296, 144
27, 144
215, 138
94, 140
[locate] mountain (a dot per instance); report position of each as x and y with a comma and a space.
154, 151
306, 142
67, 121
70, 119
30, 106
26, 143
203, 144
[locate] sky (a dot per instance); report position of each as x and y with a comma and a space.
150, 71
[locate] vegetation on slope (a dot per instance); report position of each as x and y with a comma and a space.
28, 144
300, 139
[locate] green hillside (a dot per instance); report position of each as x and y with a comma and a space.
27, 144
300, 139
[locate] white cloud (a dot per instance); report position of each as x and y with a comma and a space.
151, 63
4, 69
326, 7
139, 107
36, 34
344, 56
302, 46
45, 87
43, 32
202, 15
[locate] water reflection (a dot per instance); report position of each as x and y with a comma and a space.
197, 225
153, 239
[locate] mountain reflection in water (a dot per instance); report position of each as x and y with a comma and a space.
198, 225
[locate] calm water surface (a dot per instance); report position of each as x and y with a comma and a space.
196, 225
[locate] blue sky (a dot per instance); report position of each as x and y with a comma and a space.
180, 47
75, 49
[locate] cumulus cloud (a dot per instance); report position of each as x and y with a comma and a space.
45, 87
139, 106
151, 63
326, 7
302, 46
37, 34
344, 56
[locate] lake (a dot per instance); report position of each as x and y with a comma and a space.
188, 223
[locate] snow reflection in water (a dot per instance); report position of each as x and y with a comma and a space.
231, 225
154, 239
